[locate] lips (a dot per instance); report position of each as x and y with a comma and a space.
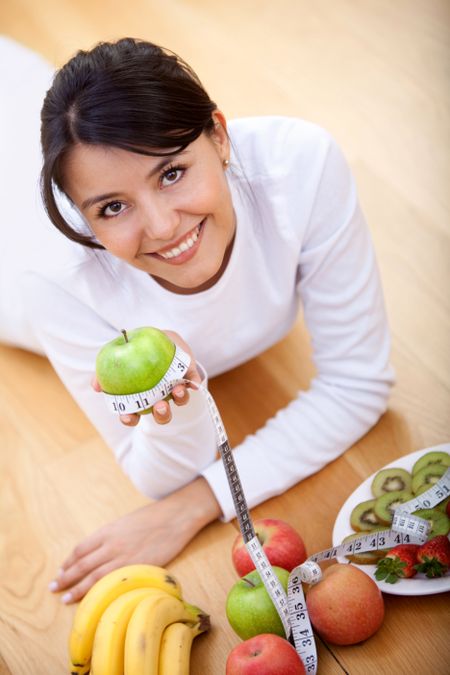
183, 249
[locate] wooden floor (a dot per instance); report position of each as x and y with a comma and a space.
373, 72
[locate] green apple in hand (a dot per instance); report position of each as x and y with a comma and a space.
250, 609
135, 361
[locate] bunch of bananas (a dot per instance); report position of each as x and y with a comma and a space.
133, 621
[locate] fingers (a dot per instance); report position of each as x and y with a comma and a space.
80, 570
130, 420
94, 384
83, 576
161, 412
87, 546
180, 395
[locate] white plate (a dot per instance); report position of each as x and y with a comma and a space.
418, 585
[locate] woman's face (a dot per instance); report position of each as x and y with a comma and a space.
171, 217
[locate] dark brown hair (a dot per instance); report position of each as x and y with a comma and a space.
130, 94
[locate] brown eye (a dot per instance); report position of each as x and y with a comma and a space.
112, 209
171, 176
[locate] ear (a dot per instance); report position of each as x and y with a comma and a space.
219, 135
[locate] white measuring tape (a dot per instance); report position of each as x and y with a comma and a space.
406, 528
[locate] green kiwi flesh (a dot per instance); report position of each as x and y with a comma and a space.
431, 458
439, 521
442, 506
386, 504
429, 476
363, 518
391, 480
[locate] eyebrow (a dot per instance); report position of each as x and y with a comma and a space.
167, 159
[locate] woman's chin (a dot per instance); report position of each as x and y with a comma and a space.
189, 283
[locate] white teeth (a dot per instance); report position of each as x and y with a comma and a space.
184, 246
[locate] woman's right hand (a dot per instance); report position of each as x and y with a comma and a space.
180, 396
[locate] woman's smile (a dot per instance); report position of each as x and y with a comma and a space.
182, 250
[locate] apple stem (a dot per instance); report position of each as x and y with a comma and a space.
124, 334
247, 581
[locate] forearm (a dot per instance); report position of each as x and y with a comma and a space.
196, 504
310, 432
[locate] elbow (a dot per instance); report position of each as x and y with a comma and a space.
361, 401
372, 401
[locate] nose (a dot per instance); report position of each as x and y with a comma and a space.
159, 219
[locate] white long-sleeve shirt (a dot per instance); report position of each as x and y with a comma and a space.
301, 243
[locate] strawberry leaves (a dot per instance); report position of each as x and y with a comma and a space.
397, 564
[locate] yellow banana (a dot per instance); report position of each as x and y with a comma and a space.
97, 599
109, 640
145, 628
175, 652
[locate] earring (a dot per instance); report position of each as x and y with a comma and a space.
226, 162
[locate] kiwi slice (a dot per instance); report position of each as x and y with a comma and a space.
442, 506
366, 557
391, 480
439, 521
422, 488
428, 476
363, 518
386, 504
431, 458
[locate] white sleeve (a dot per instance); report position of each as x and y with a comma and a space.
157, 458
345, 315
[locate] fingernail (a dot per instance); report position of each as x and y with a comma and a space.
67, 597
179, 393
126, 419
160, 409
53, 586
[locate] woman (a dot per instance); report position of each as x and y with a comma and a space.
215, 232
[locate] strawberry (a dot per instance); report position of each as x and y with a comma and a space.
398, 563
433, 557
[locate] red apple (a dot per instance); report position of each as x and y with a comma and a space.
346, 606
282, 545
265, 654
